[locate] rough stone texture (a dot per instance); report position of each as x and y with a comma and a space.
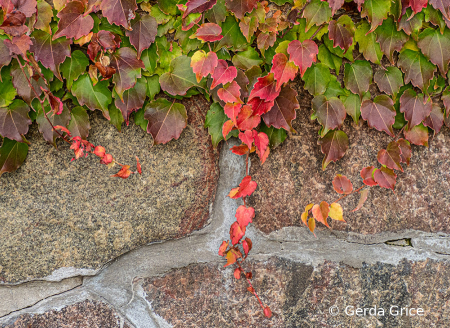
206, 295
292, 177
19, 297
55, 213
87, 314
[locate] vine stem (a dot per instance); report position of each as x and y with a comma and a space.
250, 283
40, 101
317, 31
345, 195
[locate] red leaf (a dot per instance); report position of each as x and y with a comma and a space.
246, 120
223, 247
230, 93
246, 188
62, 128
342, 184
237, 273
244, 215
240, 150
203, 64
247, 137
198, 6
320, 212
14, 120
226, 128
223, 74
107, 159
283, 69
367, 175
436, 119
209, 32
335, 5
303, 54
19, 45
265, 88
166, 120
385, 177
72, 23
340, 34
50, 53
267, 312
391, 156
14, 24
362, 199
283, 110
333, 145
261, 143
405, 148
143, 33
416, 5
133, 99
240, 7
55, 103
27, 7
236, 233
415, 107
329, 112
379, 113
247, 245
128, 69
138, 166
99, 151
260, 106
119, 12
123, 173
418, 135
232, 111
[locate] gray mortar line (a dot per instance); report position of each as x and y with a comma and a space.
119, 283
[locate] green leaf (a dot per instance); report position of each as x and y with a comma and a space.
170, 6
117, 117
218, 13
149, 58
94, 97
338, 51
436, 47
418, 70
335, 89
44, 126
166, 53
139, 118
376, 11
390, 39
73, 67
316, 78
302, 35
276, 136
410, 23
232, 36
368, 44
180, 77
153, 86
389, 81
79, 123
7, 90
352, 104
316, 13
358, 76
247, 59
329, 59
161, 18
12, 155
215, 118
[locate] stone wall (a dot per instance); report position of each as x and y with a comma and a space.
81, 249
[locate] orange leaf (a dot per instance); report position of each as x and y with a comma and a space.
237, 273
99, 151
364, 193
240, 150
247, 245
312, 225
227, 127
304, 216
342, 185
231, 258
138, 165
123, 173
320, 212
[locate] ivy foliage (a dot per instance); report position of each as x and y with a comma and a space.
116, 56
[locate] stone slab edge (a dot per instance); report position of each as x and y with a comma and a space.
119, 282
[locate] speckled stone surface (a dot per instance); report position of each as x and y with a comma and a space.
292, 177
87, 314
55, 213
208, 295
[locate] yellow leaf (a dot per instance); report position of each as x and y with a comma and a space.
312, 225
336, 212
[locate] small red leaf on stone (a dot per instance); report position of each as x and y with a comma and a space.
391, 156
223, 247
240, 150
123, 173
405, 147
385, 177
138, 165
342, 184
267, 312
247, 245
99, 151
367, 175
237, 273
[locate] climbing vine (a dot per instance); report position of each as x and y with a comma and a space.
382, 61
